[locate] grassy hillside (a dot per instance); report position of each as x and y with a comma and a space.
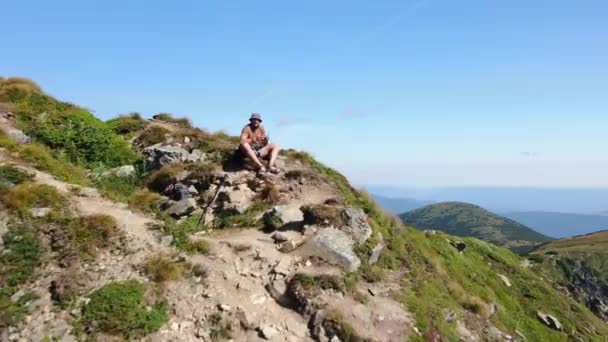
465, 219
580, 265
430, 277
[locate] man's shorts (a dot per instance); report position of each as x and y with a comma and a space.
256, 149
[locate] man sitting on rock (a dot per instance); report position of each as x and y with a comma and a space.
254, 143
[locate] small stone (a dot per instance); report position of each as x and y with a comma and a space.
259, 299
166, 240
289, 246
17, 295
550, 321
450, 317
335, 339
308, 263
224, 307
192, 190
40, 212
505, 280
280, 237
283, 266
174, 326
267, 331
200, 270
459, 245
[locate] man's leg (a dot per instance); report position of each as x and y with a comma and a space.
271, 150
246, 147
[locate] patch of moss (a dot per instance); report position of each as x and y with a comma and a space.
120, 308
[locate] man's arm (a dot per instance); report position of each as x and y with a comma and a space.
245, 136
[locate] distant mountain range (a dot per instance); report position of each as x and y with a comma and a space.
399, 205
560, 225
464, 219
507, 199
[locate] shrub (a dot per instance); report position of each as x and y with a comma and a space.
145, 201
30, 195
323, 214
12, 175
125, 124
160, 179
84, 139
152, 136
11, 312
160, 268
13, 86
88, 234
42, 158
118, 188
167, 117
120, 308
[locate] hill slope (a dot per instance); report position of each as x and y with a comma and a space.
95, 252
560, 225
465, 219
580, 265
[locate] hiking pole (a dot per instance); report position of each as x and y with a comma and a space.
210, 204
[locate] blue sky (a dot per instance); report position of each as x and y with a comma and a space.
407, 93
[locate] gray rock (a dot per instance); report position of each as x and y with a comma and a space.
309, 230
237, 199
196, 156
356, 224
192, 190
3, 231
277, 289
17, 295
333, 246
377, 251
166, 240
159, 155
40, 212
550, 321
124, 171
177, 192
267, 331
182, 208
290, 246
279, 237
224, 307
284, 217
18, 136
459, 245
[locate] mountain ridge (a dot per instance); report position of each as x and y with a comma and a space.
465, 219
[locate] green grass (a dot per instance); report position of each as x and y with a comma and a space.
12, 175
118, 188
181, 233
12, 313
145, 201
22, 197
45, 160
120, 308
126, 124
22, 255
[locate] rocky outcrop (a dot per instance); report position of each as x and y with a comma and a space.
236, 199
334, 246
550, 321
181, 208
586, 285
159, 155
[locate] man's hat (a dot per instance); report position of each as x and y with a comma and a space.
255, 116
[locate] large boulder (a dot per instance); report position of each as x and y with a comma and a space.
159, 155
283, 217
236, 199
334, 246
356, 225
377, 250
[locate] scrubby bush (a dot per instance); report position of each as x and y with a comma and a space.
167, 117
43, 159
30, 195
120, 308
20, 259
160, 268
12, 86
145, 201
12, 175
88, 234
160, 179
125, 124
152, 135
68, 129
